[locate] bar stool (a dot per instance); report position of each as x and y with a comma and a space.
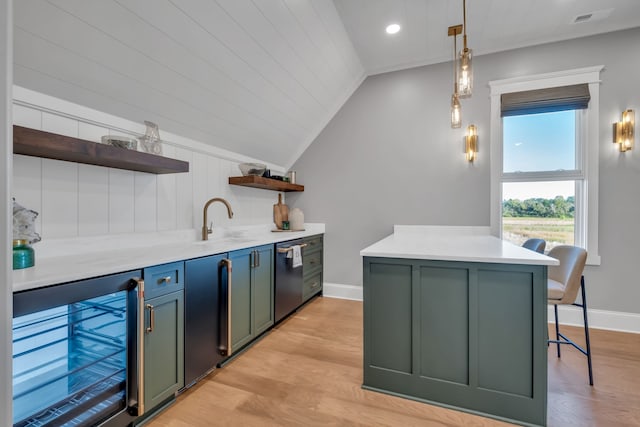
537, 245
564, 280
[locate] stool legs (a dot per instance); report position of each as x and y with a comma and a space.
586, 330
555, 311
561, 339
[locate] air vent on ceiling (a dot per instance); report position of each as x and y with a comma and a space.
592, 16
582, 18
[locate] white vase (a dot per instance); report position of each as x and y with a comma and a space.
296, 219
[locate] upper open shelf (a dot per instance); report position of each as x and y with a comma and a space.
33, 142
264, 183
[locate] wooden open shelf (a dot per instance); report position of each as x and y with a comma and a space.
264, 183
33, 142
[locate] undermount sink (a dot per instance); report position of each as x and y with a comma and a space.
222, 240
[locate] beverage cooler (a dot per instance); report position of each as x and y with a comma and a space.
76, 353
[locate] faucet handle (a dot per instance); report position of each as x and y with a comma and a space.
210, 228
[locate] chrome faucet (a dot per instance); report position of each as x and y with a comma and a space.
208, 230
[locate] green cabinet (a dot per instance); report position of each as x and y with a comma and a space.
462, 334
163, 333
312, 261
251, 294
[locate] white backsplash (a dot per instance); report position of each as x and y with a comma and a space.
77, 200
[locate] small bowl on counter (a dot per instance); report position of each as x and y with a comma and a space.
256, 169
121, 142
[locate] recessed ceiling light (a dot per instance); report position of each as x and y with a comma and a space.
393, 28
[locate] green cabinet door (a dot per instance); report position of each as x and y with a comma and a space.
251, 294
263, 289
241, 312
163, 348
312, 256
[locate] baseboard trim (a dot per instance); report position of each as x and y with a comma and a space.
569, 315
598, 319
337, 290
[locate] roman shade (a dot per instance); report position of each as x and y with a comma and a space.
574, 97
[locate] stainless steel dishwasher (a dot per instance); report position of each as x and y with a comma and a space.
288, 282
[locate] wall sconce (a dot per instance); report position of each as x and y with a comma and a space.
623, 131
471, 143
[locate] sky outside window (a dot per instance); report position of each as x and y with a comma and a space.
532, 190
539, 142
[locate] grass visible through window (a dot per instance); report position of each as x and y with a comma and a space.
555, 231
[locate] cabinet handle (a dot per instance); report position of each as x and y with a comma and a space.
140, 346
165, 280
228, 350
315, 285
255, 259
152, 318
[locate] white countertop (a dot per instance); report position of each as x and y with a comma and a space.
75, 259
471, 244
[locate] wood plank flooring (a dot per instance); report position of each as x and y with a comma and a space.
308, 372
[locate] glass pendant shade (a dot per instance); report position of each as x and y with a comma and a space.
456, 112
465, 74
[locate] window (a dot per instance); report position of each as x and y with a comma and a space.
541, 176
544, 158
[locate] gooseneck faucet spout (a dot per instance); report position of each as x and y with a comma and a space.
208, 230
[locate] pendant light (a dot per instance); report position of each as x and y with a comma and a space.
456, 112
465, 72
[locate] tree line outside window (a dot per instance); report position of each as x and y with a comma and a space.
558, 207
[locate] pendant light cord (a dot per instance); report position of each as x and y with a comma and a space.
464, 23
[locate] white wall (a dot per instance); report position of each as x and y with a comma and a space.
389, 157
6, 148
77, 200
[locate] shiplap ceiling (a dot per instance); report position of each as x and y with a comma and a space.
262, 77
492, 26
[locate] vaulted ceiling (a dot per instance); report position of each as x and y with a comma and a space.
263, 77
256, 77
492, 26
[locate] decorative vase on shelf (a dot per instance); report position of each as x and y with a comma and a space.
150, 142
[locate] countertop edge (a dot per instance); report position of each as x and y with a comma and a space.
463, 244
69, 268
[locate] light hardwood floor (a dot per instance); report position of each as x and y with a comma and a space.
308, 371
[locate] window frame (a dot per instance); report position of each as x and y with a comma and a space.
587, 133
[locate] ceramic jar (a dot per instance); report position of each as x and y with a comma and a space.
296, 219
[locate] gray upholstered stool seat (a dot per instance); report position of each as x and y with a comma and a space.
537, 245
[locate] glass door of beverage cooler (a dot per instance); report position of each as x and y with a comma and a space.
71, 362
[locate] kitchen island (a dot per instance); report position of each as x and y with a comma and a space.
456, 317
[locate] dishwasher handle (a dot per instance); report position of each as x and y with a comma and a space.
290, 248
